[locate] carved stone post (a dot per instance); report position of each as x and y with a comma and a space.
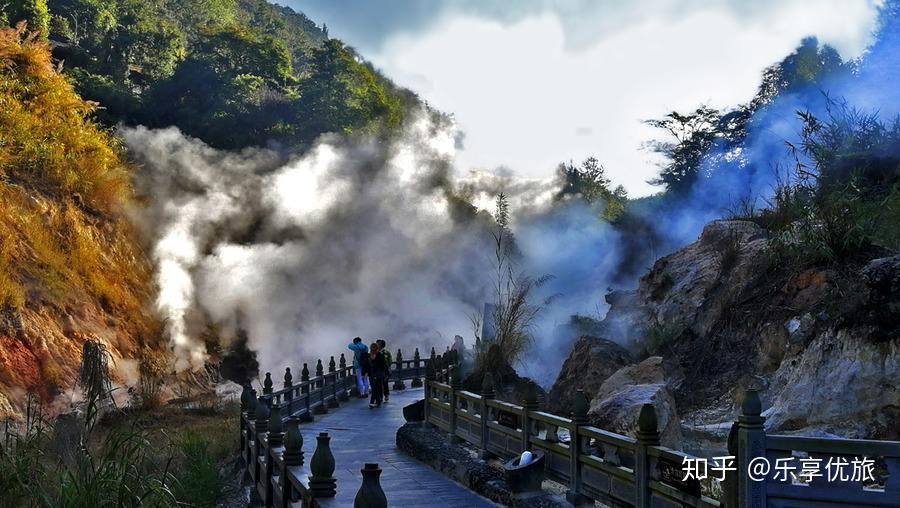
429, 378
417, 379
322, 408
487, 394
262, 426
344, 377
275, 440
332, 371
293, 457
322, 482
293, 442
576, 444
647, 436
399, 384
288, 385
751, 443
370, 494
306, 391
530, 404
246, 400
455, 387
267, 384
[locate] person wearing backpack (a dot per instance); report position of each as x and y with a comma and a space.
389, 360
360, 356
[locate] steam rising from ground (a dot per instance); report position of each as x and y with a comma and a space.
365, 238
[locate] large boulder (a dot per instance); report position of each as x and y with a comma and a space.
591, 361
689, 290
618, 401
842, 383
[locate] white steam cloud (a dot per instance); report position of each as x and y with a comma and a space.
304, 252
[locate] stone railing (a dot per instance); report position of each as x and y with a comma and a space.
272, 445
598, 465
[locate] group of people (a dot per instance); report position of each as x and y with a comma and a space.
373, 366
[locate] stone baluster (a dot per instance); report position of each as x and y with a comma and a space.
262, 425
306, 390
429, 378
322, 408
751, 443
647, 435
530, 404
370, 494
332, 373
289, 386
246, 400
322, 482
487, 394
275, 439
417, 379
399, 384
293, 457
344, 378
576, 445
267, 384
455, 387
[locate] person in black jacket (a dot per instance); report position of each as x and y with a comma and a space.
377, 375
382, 345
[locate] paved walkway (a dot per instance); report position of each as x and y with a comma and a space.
360, 434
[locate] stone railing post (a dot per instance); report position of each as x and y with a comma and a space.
576, 444
293, 457
343, 367
332, 371
429, 378
275, 440
322, 408
751, 443
288, 385
322, 482
306, 391
267, 384
246, 400
455, 387
529, 405
399, 384
417, 379
262, 426
370, 494
647, 435
487, 394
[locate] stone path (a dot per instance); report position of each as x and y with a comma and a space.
360, 434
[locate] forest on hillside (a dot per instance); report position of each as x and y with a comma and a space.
233, 73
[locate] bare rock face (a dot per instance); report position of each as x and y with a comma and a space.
688, 290
590, 363
841, 383
618, 401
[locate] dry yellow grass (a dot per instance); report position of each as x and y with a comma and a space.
64, 185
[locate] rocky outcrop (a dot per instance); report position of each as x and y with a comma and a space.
820, 342
618, 401
591, 361
842, 384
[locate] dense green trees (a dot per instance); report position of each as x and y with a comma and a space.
589, 182
231, 72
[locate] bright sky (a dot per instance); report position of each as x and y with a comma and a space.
535, 82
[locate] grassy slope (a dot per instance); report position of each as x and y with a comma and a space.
70, 265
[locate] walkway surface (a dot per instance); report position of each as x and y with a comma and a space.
360, 434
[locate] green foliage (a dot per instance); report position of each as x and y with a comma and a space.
589, 182
689, 138
231, 72
344, 95
33, 12
841, 198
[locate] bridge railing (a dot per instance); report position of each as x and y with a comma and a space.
619, 470
272, 444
